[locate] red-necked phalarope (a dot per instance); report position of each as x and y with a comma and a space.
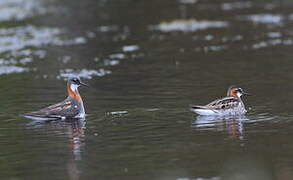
71, 107
230, 105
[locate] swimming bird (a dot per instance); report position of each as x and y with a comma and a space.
232, 104
71, 107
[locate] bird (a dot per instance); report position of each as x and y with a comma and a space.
232, 104
71, 108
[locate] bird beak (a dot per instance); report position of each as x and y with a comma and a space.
81, 83
246, 94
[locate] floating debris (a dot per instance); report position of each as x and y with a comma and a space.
117, 113
152, 109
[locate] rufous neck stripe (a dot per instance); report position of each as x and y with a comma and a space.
73, 93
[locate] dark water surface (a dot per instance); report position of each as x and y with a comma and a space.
146, 62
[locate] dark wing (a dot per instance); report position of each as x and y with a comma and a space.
62, 109
224, 103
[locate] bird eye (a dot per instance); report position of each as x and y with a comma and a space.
75, 80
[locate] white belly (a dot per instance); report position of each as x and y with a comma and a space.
209, 112
82, 112
205, 112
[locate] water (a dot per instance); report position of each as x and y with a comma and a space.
146, 62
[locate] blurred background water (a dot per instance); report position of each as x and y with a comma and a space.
146, 62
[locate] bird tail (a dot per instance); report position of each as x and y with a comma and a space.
41, 117
202, 110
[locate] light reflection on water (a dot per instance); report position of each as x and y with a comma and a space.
188, 25
264, 18
228, 6
84, 73
20, 9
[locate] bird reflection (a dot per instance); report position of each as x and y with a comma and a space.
75, 130
283, 168
76, 134
232, 124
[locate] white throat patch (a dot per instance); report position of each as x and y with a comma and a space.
74, 87
239, 94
